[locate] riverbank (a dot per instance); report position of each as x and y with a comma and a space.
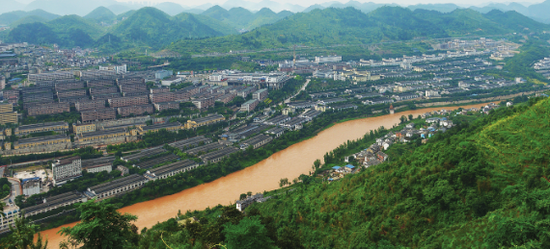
263, 176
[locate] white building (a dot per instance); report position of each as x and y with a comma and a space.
66, 169
328, 59
99, 168
31, 186
171, 81
122, 69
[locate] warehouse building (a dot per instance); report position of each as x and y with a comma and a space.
171, 169
116, 187
55, 202
128, 101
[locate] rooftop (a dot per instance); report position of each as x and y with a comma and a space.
172, 167
108, 186
43, 125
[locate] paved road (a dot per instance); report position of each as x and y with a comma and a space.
301, 89
15, 190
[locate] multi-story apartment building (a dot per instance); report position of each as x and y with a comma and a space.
71, 93
328, 59
159, 90
103, 90
166, 106
89, 105
98, 115
136, 110
62, 75
66, 169
249, 105
7, 115
44, 127
226, 98
203, 103
106, 96
260, 94
246, 91
129, 101
41, 141
100, 83
126, 81
208, 120
162, 97
94, 74
2, 82
53, 108
122, 69
83, 128
129, 88
69, 85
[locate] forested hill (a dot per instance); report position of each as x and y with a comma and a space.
350, 26
482, 184
156, 28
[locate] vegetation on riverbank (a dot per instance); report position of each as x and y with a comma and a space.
481, 184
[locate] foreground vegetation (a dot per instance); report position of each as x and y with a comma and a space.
483, 184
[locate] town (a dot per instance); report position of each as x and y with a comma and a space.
99, 105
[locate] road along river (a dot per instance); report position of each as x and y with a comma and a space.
265, 175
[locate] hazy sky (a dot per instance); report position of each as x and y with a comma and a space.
312, 2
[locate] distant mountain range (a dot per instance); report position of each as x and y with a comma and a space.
350, 26
538, 11
216, 29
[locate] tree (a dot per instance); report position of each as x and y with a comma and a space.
242, 197
249, 233
317, 163
22, 236
249, 193
102, 226
411, 117
403, 119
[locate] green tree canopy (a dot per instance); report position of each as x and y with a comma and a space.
250, 233
102, 226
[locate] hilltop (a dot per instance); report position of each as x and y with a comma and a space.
101, 14
482, 184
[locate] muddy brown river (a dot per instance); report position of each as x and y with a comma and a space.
265, 175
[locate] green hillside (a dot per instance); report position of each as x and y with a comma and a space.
240, 18
214, 24
101, 14
351, 26
156, 28
74, 22
28, 19
15, 16
482, 184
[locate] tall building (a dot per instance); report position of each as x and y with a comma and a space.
260, 94
159, 75
66, 169
7, 115
2, 82
122, 69
328, 59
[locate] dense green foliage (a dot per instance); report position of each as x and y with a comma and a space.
102, 226
22, 236
240, 18
482, 184
155, 28
5, 187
